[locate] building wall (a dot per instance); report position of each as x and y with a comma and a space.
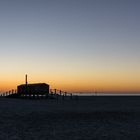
40, 88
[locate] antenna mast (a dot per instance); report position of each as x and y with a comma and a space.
26, 79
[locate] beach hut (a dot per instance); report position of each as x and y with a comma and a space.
33, 89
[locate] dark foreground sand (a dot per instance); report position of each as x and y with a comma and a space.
89, 118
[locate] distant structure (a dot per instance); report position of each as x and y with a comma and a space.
26, 79
33, 89
36, 91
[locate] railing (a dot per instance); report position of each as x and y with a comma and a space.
54, 93
60, 94
10, 92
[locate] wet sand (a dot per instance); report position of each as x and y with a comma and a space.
88, 118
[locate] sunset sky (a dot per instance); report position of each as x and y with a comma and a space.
73, 45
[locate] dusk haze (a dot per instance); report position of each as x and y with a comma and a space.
69, 69
73, 45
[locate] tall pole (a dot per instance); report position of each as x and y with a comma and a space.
26, 83
26, 79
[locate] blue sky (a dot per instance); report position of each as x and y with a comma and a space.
86, 38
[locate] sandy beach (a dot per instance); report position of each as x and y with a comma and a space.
88, 118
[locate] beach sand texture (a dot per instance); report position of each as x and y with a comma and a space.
88, 118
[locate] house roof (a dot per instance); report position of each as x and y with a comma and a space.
34, 84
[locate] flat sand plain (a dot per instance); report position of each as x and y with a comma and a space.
85, 118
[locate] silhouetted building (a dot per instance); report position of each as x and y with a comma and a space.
38, 88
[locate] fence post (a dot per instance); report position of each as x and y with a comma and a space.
54, 91
71, 96
65, 93
9, 92
63, 97
60, 92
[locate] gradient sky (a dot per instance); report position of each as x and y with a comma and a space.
74, 45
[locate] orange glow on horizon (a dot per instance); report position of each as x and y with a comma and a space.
76, 82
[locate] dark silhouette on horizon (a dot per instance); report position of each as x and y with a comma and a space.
36, 91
